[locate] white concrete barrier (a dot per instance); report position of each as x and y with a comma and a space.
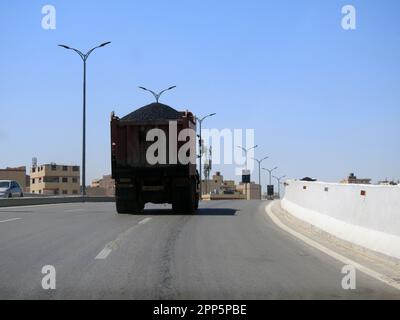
366, 215
18, 202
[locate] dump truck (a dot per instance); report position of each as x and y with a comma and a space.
153, 159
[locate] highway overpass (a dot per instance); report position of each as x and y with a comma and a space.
228, 250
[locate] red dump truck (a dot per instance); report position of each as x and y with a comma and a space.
152, 162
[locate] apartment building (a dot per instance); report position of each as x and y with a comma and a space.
102, 187
53, 179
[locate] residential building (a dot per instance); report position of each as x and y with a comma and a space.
251, 191
217, 188
53, 179
352, 179
102, 187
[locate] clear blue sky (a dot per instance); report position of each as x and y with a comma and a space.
323, 101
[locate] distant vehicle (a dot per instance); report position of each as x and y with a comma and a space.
10, 189
139, 182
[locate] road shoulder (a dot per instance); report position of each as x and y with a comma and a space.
384, 268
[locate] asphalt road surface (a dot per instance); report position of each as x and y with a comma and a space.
228, 250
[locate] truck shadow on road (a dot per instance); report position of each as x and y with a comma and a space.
199, 212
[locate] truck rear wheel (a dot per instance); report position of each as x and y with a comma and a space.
185, 200
129, 207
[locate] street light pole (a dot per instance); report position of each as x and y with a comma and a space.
279, 184
245, 152
259, 172
270, 174
84, 58
157, 95
200, 120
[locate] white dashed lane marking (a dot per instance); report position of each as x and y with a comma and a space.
113, 245
103, 254
9, 220
145, 220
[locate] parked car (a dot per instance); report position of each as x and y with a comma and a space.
10, 189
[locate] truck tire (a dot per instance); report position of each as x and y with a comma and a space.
185, 200
129, 204
129, 207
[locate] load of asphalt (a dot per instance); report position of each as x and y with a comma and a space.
153, 112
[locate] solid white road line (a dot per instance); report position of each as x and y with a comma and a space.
333, 254
9, 220
145, 220
74, 210
103, 254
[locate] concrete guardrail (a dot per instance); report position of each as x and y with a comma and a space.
367, 215
25, 201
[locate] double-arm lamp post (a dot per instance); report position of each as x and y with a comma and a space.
157, 95
200, 121
278, 179
259, 161
84, 58
245, 153
270, 173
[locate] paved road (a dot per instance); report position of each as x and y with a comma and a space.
229, 250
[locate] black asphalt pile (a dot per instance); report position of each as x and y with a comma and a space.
153, 112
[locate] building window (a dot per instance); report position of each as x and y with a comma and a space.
33, 169
40, 191
51, 179
65, 180
65, 168
75, 180
75, 192
40, 180
65, 192
75, 168
53, 167
33, 181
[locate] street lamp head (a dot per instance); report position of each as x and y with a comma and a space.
64, 46
104, 44
170, 88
